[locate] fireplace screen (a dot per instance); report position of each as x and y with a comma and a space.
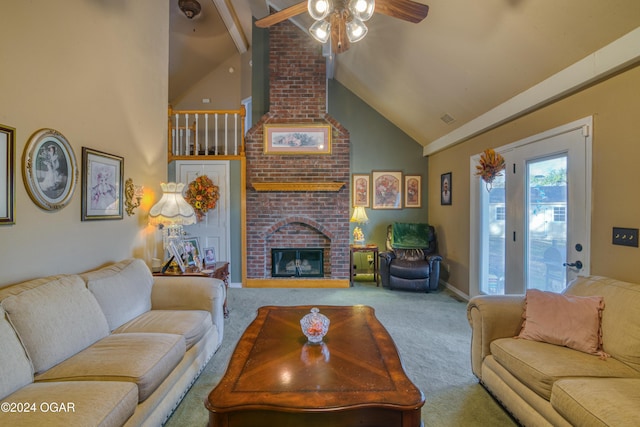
297, 262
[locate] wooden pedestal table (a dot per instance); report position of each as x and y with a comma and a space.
353, 378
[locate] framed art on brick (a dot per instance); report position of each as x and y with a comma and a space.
297, 139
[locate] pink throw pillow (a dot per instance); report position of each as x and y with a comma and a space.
566, 320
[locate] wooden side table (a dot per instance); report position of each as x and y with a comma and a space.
220, 270
364, 248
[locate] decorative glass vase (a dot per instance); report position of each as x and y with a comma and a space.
314, 325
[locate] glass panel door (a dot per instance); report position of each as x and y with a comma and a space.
546, 223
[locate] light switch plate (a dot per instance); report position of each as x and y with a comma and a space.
625, 236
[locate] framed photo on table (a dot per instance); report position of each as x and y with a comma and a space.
7, 180
177, 256
49, 169
387, 190
297, 139
413, 191
102, 177
446, 187
192, 253
209, 257
361, 190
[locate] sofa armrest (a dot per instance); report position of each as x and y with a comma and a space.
492, 317
190, 293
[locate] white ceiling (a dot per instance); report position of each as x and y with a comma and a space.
464, 59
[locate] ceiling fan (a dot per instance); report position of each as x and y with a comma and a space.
343, 20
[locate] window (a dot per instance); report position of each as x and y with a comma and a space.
500, 213
559, 213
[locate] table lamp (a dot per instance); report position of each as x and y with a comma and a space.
359, 216
170, 213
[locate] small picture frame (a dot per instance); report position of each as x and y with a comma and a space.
7, 180
297, 139
361, 190
49, 169
387, 190
191, 250
413, 191
102, 178
446, 188
177, 256
209, 257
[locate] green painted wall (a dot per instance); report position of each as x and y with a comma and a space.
377, 144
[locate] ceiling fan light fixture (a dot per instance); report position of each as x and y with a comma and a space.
362, 9
356, 30
320, 30
190, 8
319, 9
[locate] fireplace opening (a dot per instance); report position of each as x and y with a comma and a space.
297, 262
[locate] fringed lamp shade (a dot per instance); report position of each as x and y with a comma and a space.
170, 213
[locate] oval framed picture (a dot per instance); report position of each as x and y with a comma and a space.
49, 169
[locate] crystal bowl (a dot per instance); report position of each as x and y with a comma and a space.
314, 325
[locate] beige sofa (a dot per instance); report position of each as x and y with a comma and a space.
111, 347
543, 384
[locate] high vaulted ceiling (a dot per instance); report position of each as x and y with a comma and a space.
466, 58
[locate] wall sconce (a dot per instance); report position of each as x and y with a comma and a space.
132, 192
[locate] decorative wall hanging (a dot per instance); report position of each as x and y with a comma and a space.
360, 190
7, 180
387, 190
49, 169
413, 191
297, 139
202, 194
102, 177
446, 186
490, 166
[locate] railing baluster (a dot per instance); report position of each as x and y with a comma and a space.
206, 134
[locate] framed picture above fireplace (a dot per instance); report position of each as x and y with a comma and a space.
297, 139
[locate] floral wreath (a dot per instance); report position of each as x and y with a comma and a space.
490, 166
202, 194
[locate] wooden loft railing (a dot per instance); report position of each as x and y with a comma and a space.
206, 134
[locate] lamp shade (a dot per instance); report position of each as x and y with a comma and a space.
172, 208
320, 30
356, 30
319, 9
362, 9
359, 215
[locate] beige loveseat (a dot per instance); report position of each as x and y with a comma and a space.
543, 384
111, 347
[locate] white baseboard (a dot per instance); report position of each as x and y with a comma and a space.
455, 290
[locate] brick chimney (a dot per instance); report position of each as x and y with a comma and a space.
292, 217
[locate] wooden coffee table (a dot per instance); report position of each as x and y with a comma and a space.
354, 378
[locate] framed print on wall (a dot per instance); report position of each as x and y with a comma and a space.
7, 181
446, 187
387, 190
297, 139
50, 170
102, 177
360, 189
413, 191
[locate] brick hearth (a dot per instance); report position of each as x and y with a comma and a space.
291, 217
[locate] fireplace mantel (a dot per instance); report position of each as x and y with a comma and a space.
298, 186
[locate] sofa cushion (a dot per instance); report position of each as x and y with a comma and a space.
141, 358
568, 320
123, 290
409, 269
191, 324
598, 402
538, 365
620, 318
56, 320
86, 403
15, 368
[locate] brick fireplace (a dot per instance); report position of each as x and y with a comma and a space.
297, 201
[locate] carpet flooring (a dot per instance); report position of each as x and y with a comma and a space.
430, 330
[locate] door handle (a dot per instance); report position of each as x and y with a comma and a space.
577, 264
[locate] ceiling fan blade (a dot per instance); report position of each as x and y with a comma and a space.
282, 15
406, 10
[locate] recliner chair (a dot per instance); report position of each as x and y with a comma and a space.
411, 261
